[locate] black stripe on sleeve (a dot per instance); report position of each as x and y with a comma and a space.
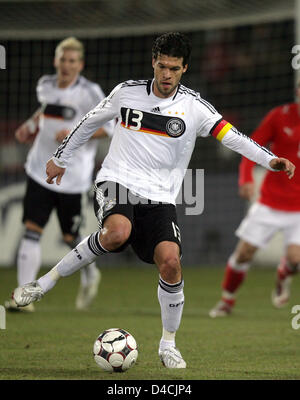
215, 125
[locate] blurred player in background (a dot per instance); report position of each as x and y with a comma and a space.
65, 98
277, 209
159, 121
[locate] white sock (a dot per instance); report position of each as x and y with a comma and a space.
239, 267
29, 260
83, 254
87, 274
167, 340
171, 300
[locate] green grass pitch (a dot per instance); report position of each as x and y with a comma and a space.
257, 342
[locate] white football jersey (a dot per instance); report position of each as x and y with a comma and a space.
62, 109
154, 138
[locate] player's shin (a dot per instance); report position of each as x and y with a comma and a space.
235, 274
171, 300
83, 254
286, 269
29, 257
89, 272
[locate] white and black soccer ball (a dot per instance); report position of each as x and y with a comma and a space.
115, 350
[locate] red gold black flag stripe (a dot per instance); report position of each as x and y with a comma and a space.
151, 131
220, 129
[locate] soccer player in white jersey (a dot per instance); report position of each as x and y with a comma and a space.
65, 98
158, 123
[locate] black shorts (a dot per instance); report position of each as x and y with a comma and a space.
39, 202
152, 222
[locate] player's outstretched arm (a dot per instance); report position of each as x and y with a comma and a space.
282, 164
236, 141
53, 171
107, 110
246, 190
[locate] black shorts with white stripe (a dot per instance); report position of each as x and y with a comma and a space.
39, 202
152, 222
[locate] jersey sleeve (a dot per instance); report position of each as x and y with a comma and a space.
97, 95
105, 111
230, 137
206, 116
262, 135
41, 89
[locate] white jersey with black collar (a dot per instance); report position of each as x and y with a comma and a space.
154, 138
62, 109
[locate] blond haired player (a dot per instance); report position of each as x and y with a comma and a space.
65, 98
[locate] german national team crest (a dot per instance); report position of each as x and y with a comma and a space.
68, 112
175, 127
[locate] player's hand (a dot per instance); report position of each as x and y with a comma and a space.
246, 191
60, 135
53, 171
282, 164
24, 134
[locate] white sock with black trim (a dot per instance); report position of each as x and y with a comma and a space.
171, 300
88, 272
84, 253
29, 257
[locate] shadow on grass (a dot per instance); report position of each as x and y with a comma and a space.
36, 373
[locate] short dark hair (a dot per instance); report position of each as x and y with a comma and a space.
173, 44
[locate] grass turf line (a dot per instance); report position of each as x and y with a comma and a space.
256, 342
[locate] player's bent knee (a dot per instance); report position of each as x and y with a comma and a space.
293, 254
118, 238
244, 257
244, 253
32, 226
170, 269
115, 232
293, 259
114, 239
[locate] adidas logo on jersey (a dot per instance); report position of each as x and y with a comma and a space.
156, 110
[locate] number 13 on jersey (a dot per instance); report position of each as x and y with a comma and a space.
136, 118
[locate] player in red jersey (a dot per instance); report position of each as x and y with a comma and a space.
277, 209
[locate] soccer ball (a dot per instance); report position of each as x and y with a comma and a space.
115, 350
